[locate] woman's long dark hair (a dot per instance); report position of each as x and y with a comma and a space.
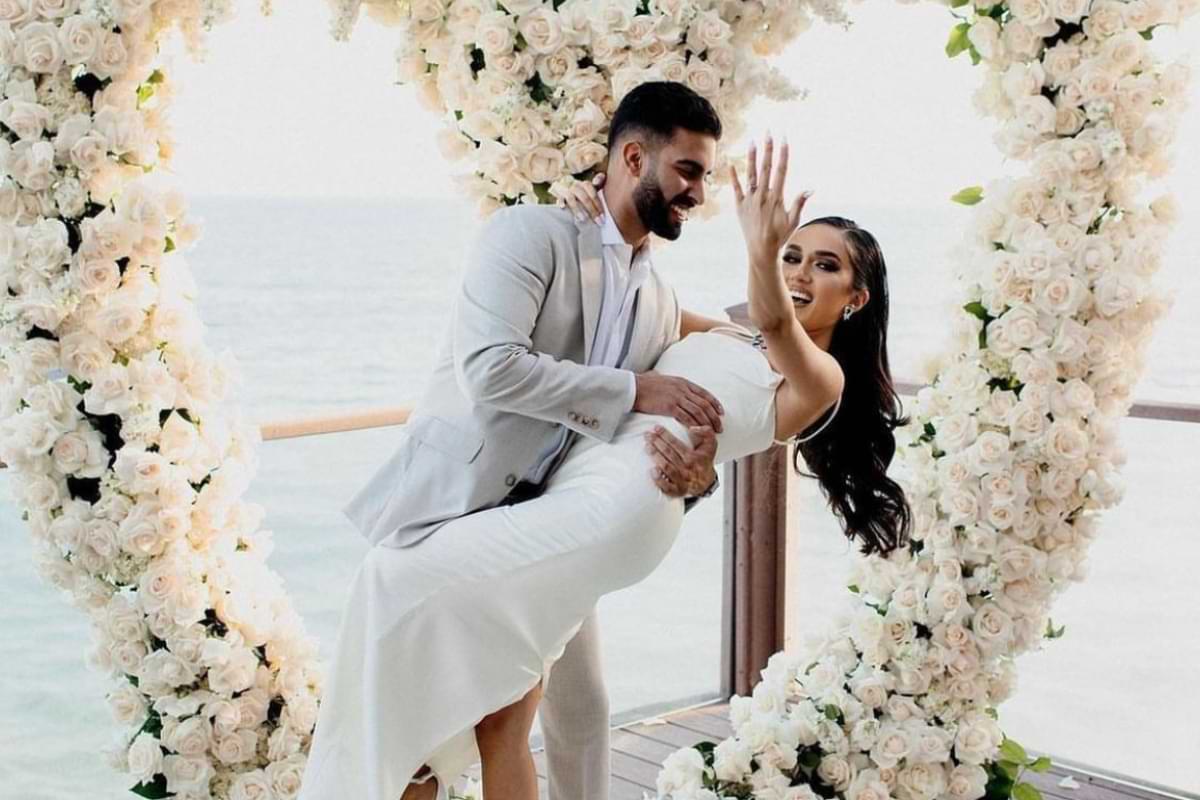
850, 456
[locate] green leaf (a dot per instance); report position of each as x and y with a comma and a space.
156, 77
1010, 768
1041, 765
1011, 751
968, 196
958, 42
156, 789
170, 245
1052, 632
854, 588
832, 712
1147, 34
144, 93
975, 55
542, 192
1026, 791
958, 3
977, 309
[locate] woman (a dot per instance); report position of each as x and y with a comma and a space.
441, 659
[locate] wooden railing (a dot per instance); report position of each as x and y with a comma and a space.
755, 493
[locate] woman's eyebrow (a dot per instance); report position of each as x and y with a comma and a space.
829, 253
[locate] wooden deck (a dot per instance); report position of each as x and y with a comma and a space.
639, 748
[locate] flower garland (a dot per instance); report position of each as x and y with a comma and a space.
1013, 449
129, 469
527, 86
127, 465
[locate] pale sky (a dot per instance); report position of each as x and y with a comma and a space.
280, 108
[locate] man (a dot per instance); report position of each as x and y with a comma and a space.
557, 325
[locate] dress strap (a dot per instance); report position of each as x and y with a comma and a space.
824, 424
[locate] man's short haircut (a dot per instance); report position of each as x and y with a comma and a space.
656, 108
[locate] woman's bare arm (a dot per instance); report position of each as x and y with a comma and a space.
691, 322
813, 379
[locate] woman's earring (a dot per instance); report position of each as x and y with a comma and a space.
847, 311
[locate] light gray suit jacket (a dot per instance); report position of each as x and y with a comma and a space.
512, 368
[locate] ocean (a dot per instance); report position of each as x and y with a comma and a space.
334, 305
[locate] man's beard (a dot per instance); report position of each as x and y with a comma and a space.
654, 210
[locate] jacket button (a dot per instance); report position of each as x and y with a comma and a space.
571, 415
594, 424
510, 480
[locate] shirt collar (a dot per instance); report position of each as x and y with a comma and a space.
610, 235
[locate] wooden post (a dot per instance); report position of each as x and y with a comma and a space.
756, 524
752, 620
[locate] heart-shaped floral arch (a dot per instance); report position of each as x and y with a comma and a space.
129, 466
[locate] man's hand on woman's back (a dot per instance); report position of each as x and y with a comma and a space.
679, 398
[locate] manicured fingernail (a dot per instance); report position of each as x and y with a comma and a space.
598, 219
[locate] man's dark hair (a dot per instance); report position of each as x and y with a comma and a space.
657, 108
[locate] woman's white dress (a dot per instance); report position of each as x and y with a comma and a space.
436, 636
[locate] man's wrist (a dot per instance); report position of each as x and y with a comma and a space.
631, 393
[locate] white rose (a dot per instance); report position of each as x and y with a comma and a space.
984, 34
681, 772
967, 782
1066, 442
236, 674
285, 776
187, 774
26, 119
111, 56
191, 738
1070, 10
163, 666
16, 12
254, 785
543, 164
39, 44
427, 10
123, 620
583, 155
496, 33
32, 164
868, 785
732, 760
542, 30
955, 432
977, 740
237, 747
80, 37
127, 704
122, 130
989, 453
89, 152
1020, 41
1031, 12
702, 77
145, 758
614, 17
708, 30
1060, 61
835, 771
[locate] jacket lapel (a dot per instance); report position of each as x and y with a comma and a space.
591, 282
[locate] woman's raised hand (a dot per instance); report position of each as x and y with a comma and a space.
584, 199
766, 221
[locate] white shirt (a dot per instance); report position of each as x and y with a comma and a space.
624, 274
